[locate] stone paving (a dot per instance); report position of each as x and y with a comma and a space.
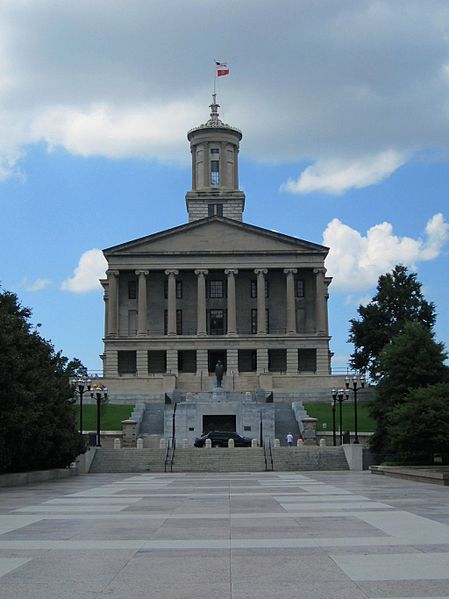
323, 535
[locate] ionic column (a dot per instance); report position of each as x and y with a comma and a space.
232, 311
236, 168
290, 300
193, 167
320, 300
223, 170
113, 301
206, 174
171, 316
142, 302
201, 328
261, 313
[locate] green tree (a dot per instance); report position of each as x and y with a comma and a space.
398, 300
37, 417
412, 360
419, 427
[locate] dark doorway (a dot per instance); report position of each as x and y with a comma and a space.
217, 322
213, 356
219, 422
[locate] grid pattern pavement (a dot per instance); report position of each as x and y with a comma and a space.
251, 535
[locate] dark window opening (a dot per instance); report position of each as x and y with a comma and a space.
157, 362
178, 289
127, 362
213, 355
215, 172
307, 360
132, 289
247, 360
215, 209
216, 322
253, 321
187, 360
277, 360
254, 288
216, 289
299, 287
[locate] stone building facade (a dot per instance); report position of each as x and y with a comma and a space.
215, 288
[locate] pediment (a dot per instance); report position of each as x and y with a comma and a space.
215, 234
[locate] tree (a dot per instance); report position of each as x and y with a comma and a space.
398, 300
412, 360
37, 424
419, 427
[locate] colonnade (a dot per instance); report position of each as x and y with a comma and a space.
112, 297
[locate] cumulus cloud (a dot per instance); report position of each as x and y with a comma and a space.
91, 267
36, 285
123, 79
356, 261
337, 176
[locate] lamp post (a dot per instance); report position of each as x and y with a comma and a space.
100, 394
340, 397
83, 386
356, 385
334, 399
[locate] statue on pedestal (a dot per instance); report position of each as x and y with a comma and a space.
219, 371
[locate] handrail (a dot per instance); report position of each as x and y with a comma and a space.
265, 456
173, 454
271, 455
166, 455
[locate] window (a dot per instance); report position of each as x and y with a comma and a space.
132, 289
299, 287
216, 322
178, 289
215, 209
215, 172
253, 321
214, 151
216, 289
254, 288
127, 362
267, 320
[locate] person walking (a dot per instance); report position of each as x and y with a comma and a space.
289, 440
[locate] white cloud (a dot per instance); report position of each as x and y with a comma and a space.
36, 285
356, 262
128, 79
91, 267
337, 176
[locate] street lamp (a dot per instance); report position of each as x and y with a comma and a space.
100, 394
355, 387
83, 385
334, 399
340, 397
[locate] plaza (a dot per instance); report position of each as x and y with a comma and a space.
315, 534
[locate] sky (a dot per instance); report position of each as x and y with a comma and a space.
344, 109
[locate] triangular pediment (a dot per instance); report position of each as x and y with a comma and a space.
215, 234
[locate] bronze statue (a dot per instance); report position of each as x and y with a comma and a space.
219, 371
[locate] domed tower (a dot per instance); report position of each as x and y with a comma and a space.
215, 187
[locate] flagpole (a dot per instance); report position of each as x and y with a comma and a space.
215, 76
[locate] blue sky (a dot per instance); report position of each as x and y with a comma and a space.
344, 109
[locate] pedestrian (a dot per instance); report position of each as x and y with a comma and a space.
289, 440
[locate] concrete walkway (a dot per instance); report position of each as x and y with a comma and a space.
337, 535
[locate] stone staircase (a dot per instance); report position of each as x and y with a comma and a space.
240, 459
153, 419
284, 422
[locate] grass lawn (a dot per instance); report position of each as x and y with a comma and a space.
111, 416
323, 411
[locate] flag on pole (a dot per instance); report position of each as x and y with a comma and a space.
222, 68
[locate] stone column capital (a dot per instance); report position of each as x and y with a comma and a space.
261, 271
290, 271
201, 271
112, 273
144, 273
319, 271
172, 272
231, 271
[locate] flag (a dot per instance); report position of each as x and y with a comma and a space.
222, 68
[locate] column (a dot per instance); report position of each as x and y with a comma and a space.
327, 282
106, 311
236, 168
142, 362
171, 317
320, 300
232, 311
201, 328
290, 300
223, 170
172, 361
261, 314
194, 168
142, 303
262, 361
113, 301
292, 361
206, 178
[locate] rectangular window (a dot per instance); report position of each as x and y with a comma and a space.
214, 151
267, 320
253, 321
215, 172
210, 209
219, 210
127, 362
216, 289
266, 288
254, 288
216, 322
215, 209
299, 287
132, 289
179, 322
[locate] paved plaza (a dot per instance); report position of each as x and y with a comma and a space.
289, 535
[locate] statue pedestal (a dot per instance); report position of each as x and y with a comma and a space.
218, 394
